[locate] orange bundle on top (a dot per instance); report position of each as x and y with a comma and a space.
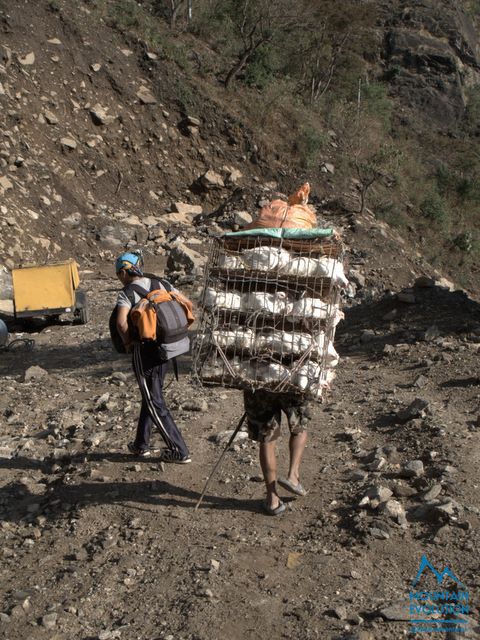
293, 214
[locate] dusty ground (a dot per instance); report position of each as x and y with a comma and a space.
98, 544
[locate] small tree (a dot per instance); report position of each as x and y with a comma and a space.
256, 23
175, 8
362, 129
373, 166
303, 42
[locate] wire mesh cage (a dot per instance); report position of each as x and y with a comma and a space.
270, 306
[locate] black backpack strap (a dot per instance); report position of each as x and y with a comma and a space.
132, 288
165, 284
175, 367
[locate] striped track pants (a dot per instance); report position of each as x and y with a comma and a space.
154, 412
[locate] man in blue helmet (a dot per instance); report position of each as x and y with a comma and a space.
148, 364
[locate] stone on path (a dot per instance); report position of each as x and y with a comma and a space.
35, 373
146, 96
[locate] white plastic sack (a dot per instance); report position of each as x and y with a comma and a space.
337, 316
267, 302
309, 308
307, 375
230, 262
326, 378
314, 379
335, 271
212, 371
265, 258
216, 369
270, 373
222, 299
306, 267
283, 342
321, 268
238, 338
331, 356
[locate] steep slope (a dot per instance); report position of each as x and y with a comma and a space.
101, 137
94, 146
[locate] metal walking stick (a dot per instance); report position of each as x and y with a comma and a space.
232, 438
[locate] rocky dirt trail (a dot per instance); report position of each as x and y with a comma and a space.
99, 544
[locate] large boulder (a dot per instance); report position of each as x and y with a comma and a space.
182, 258
100, 116
211, 180
186, 208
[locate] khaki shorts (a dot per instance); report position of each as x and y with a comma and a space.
264, 414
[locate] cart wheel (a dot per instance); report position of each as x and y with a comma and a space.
82, 311
84, 315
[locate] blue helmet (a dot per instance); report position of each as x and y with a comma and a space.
131, 261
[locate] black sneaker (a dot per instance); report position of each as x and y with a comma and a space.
169, 455
143, 453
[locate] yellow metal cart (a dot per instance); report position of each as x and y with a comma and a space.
49, 290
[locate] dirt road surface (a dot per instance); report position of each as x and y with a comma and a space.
96, 543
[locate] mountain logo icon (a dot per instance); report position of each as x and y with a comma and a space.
426, 564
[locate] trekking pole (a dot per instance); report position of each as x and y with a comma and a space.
232, 438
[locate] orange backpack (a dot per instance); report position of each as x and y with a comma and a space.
161, 316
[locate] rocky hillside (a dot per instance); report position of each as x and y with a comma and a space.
107, 142
431, 54
95, 153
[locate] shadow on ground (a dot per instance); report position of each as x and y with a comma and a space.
444, 313
68, 492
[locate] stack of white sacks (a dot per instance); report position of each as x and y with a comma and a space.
279, 260
252, 347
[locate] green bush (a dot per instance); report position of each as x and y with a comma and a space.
214, 24
468, 188
390, 212
309, 144
435, 208
473, 7
262, 67
126, 14
445, 179
464, 185
391, 73
177, 53
377, 103
464, 241
187, 98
